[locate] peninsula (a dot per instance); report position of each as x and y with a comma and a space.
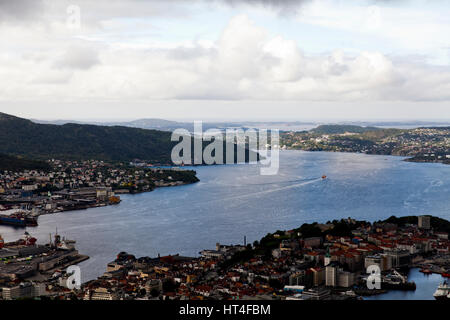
63, 185
419, 145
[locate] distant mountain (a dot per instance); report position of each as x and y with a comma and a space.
12, 163
81, 141
61, 122
159, 124
400, 124
167, 125
338, 129
155, 124
295, 126
151, 124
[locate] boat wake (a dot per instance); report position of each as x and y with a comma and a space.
272, 183
303, 182
243, 196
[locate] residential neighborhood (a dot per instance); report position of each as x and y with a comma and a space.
421, 144
283, 265
71, 185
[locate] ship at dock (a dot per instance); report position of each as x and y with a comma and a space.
25, 241
442, 292
19, 219
26, 260
397, 281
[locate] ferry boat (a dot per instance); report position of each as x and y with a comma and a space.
18, 219
442, 292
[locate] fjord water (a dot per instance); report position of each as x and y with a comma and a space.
233, 201
426, 286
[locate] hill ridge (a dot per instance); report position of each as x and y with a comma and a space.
22, 137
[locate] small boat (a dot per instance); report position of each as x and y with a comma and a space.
324, 177
446, 274
426, 271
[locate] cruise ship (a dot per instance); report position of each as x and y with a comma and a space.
442, 292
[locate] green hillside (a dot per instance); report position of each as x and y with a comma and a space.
78, 141
12, 163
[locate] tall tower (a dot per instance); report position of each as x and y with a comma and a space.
331, 275
327, 259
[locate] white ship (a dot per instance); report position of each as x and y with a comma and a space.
442, 292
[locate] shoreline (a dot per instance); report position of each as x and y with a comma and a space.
104, 204
407, 158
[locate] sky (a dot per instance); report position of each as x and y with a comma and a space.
289, 60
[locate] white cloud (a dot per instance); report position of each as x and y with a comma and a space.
48, 62
420, 28
20, 9
78, 57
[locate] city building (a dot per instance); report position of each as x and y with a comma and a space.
424, 222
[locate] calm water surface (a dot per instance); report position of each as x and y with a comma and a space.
233, 201
426, 286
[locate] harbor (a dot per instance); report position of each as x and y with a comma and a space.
28, 269
426, 287
19, 218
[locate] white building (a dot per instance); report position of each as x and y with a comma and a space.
331, 275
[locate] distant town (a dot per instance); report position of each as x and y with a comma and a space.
72, 185
420, 144
319, 261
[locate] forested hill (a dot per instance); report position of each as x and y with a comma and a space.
438, 224
23, 137
339, 129
12, 163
